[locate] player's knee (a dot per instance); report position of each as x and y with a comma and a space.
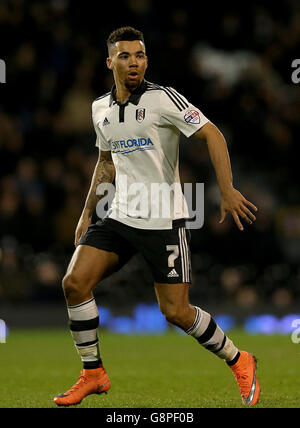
174, 314
73, 287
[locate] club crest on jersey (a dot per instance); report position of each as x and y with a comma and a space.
140, 114
192, 116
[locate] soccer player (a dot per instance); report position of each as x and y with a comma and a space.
137, 126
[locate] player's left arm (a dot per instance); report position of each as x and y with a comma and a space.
232, 200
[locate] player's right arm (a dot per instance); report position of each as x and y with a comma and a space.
104, 172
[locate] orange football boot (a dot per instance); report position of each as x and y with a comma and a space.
244, 371
91, 381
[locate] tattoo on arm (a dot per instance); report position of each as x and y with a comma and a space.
104, 173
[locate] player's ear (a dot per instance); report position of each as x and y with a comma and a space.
108, 63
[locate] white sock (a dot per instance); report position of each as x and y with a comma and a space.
211, 336
84, 322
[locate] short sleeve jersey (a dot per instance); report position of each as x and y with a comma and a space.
143, 136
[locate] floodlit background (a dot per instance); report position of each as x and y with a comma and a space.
234, 63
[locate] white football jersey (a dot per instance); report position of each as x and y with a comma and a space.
143, 137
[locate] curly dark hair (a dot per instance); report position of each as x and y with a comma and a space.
124, 33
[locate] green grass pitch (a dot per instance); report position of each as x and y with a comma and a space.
167, 371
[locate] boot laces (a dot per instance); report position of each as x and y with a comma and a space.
242, 379
82, 379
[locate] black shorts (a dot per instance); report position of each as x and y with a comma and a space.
167, 252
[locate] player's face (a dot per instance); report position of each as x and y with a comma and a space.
128, 61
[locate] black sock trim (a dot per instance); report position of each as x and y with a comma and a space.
232, 362
216, 347
209, 332
89, 365
84, 324
84, 344
222, 345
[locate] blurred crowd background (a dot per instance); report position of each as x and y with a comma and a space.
234, 63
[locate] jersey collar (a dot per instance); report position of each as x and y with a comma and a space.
134, 97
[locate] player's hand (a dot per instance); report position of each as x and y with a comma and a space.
82, 226
233, 201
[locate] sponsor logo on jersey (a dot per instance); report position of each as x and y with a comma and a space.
132, 144
140, 114
106, 122
192, 116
